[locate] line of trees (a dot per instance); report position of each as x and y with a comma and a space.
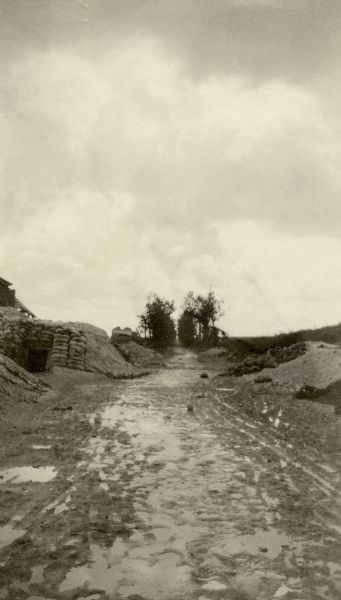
196, 325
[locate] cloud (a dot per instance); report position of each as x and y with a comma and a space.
127, 167
260, 38
187, 152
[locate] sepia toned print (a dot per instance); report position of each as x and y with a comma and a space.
170, 267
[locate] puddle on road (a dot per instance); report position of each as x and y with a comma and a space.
8, 534
270, 542
146, 432
40, 447
26, 474
37, 575
113, 570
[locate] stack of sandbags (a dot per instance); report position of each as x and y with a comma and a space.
77, 349
19, 335
60, 348
46, 339
38, 335
68, 344
12, 331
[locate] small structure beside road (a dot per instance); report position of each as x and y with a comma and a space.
7, 296
9, 299
120, 336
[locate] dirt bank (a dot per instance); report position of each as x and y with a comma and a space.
139, 355
16, 384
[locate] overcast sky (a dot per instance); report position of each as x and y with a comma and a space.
172, 145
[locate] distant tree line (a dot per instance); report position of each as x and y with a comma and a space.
196, 326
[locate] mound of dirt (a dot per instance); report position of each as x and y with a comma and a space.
270, 360
102, 357
139, 355
319, 366
17, 384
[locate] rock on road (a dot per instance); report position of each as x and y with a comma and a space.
146, 500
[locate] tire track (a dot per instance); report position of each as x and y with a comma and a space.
270, 442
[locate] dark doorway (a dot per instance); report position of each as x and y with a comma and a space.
37, 360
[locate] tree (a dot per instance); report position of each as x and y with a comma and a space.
209, 311
186, 330
157, 322
204, 312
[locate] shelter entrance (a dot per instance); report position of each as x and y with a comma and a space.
37, 360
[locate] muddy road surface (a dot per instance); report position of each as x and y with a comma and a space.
154, 489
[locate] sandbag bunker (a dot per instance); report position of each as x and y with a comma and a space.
62, 346
39, 345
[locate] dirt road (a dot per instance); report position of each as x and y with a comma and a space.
133, 496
